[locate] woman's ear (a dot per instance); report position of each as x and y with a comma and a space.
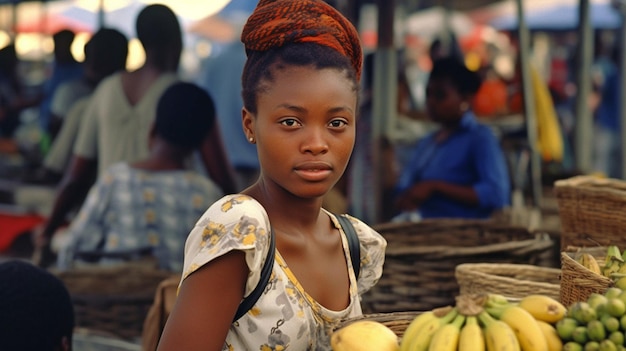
247, 122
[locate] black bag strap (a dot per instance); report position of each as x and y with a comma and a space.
355, 256
266, 272
353, 243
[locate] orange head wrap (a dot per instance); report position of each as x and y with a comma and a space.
275, 23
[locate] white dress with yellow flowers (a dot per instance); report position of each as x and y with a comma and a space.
285, 316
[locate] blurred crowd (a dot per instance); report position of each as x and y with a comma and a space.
134, 157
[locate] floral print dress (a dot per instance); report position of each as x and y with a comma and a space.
285, 317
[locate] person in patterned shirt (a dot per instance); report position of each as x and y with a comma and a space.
300, 87
146, 207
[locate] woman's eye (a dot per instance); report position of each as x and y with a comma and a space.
289, 122
337, 123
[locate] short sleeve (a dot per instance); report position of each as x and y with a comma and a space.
235, 222
373, 247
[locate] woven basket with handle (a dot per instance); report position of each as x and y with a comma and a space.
591, 211
514, 281
578, 282
421, 258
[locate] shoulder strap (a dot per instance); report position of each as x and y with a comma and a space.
353, 243
266, 272
355, 256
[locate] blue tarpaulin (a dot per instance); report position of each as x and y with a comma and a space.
562, 17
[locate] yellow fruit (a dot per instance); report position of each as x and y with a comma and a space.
471, 338
446, 338
552, 338
414, 327
498, 335
524, 325
420, 341
364, 335
543, 308
588, 261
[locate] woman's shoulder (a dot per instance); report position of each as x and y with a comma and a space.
233, 208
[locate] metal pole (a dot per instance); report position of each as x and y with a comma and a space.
584, 122
384, 92
529, 106
101, 14
622, 85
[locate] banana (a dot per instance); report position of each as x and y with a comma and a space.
543, 308
446, 338
422, 338
415, 327
498, 335
588, 261
496, 300
552, 338
524, 325
471, 337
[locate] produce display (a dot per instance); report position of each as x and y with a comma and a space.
596, 324
477, 322
614, 266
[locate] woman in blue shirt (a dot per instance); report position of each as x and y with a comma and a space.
459, 170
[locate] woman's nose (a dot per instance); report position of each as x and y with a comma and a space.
315, 141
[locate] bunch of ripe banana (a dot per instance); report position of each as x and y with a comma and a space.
596, 324
613, 268
489, 322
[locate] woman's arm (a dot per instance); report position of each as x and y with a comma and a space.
206, 305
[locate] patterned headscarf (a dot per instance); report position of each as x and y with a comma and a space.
275, 23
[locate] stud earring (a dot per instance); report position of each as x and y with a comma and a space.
251, 139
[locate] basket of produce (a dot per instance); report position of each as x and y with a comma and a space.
591, 211
475, 322
589, 270
508, 279
421, 258
113, 299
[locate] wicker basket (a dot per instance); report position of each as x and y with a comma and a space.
591, 211
514, 281
577, 282
113, 299
421, 258
396, 321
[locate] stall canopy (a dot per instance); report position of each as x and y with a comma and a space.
562, 16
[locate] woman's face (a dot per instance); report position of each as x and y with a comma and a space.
443, 101
304, 129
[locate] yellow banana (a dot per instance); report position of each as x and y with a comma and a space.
543, 308
588, 261
549, 135
414, 327
422, 338
524, 325
498, 335
471, 337
446, 338
552, 337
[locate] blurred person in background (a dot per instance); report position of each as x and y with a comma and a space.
146, 207
105, 53
37, 311
13, 99
218, 78
118, 119
459, 170
64, 68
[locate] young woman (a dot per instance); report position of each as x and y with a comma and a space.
458, 170
300, 99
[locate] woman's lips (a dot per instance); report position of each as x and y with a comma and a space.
313, 171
